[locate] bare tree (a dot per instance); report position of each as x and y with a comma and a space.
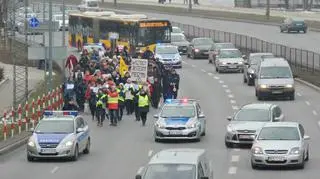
268, 9
310, 5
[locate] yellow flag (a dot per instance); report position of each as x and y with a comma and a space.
123, 67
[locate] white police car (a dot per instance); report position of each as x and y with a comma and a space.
168, 55
60, 134
93, 46
180, 119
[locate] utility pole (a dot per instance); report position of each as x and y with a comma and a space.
50, 47
26, 3
268, 9
63, 33
115, 3
190, 6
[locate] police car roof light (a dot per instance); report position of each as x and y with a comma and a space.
184, 100
60, 113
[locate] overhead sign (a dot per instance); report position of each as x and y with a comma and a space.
139, 70
34, 22
113, 35
153, 24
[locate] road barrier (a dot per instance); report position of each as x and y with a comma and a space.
305, 64
16, 121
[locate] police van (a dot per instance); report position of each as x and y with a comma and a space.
177, 163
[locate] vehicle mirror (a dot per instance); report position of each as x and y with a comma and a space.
306, 137
201, 116
276, 119
182, 32
229, 118
244, 56
31, 130
156, 116
204, 178
80, 130
138, 176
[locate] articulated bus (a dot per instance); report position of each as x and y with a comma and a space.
135, 31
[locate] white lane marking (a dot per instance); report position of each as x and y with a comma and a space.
314, 113
233, 101
210, 74
235, 107
193, 66
235, 158
228, 91
217, 78
232, 170
237, 150
225, 86
150, 153
299, 94
230, 96
221, 81
55, 169
308, 103
184, 62
203, 70
319, 123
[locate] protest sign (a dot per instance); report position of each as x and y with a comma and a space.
139, 70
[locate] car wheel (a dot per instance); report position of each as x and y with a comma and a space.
307, 157
29, 158
204, 133
87, 149
157, 140
301, 165
259, 97
192, 56
244, 79
188, 55
197, 140
228, 144
292, 97
76, 154
254, 166
281, 30
305, 31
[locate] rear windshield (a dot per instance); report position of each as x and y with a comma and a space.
275, 72
298, 22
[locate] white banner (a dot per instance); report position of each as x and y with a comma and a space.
139, 70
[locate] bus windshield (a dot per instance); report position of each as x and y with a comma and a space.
153, 35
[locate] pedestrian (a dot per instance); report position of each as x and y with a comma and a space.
70, 106
143, 104
71, 62
113, 105
174, 80
165, 83
121, 100
129, 95
136, 92
101, 107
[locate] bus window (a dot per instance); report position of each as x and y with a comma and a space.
148, 36
87, 26
106, 27
124, 32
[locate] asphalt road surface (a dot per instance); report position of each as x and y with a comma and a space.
118, 152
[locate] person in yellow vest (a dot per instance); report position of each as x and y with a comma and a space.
101, 107
143, 104
113, 105
121, 93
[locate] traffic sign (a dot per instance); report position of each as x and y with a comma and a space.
34, 22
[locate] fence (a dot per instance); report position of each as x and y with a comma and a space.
305, 64
18, 120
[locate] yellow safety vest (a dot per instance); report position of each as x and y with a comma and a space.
100, 103
113, 100
143, 101
121, 98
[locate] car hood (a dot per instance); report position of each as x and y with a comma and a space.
280, 81
50, 138
176, 121
167, 56
277, 144
203, 47
185, 43
231, 60
246, 125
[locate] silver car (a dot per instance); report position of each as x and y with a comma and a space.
280, 144
180, 119
229, 60
249, 119
60, 134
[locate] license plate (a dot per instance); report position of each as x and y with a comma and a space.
233, 66
299, 24
48, 151
276, 159
245, 137
277, 92
175, 132
206, 53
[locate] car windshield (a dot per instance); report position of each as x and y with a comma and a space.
176, 30
257, 115
55, 126
279, 133
92, 4
275, 72
167, 50
170, 171
230, 54
178, 38
255, 60
224, 46
203, 42
178, 111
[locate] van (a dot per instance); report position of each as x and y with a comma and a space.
176, 163
89, 5
274, 79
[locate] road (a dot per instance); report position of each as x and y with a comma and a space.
118, 152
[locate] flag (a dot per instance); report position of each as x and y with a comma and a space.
123, 67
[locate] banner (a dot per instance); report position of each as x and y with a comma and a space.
123, 67
139, 70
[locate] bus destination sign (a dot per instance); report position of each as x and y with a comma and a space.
153, 24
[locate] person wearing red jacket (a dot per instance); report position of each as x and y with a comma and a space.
113, 105
71, 63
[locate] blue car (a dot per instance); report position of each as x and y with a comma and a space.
168, 55
60, 134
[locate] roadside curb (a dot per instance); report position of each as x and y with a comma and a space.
14, 146
308, 84
4, 81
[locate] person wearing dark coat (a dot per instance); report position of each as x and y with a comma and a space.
70, 106
92, 103
80, 90
174, 80
165, 83
148, 54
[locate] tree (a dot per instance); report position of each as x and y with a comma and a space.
286, 3
268, 9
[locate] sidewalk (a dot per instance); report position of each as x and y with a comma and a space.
211, 6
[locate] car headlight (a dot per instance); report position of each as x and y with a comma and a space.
257, 150
240, 63
223, 63
196, 50
263, 86
295, 151
191, 126
230, 129
251, 71
31, 143
159, 125
289, 86
68, 144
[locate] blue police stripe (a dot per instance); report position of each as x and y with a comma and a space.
83, 136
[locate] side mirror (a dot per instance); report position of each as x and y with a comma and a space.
204, 178
201, 116
156, 116
306, 137
138, 176
182, 32
276, 119
229, 118
244, 56
80, 130
31, 130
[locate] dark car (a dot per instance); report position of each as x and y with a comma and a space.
199, 47
181, 42
252, 66
214, 50
293, 25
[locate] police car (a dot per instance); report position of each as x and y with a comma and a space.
168, 55
60, 134
93, 46
180, 119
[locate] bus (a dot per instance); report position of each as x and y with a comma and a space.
136, 31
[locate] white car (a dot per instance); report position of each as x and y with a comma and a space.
229, 60
89, 5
